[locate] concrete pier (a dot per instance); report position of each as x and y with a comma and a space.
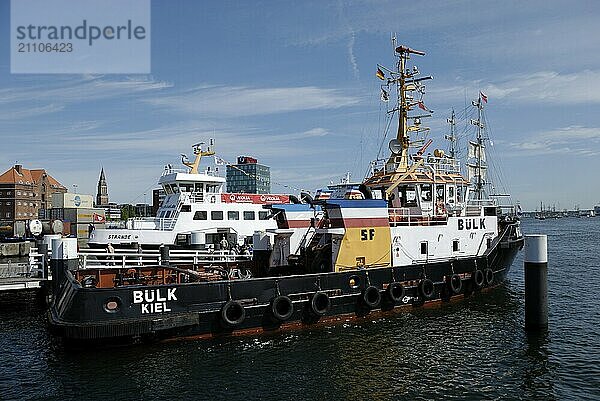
536, 282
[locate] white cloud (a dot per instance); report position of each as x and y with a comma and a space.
42, 96
549, 87
232, 101
573, 140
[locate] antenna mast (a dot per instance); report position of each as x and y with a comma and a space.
452, 137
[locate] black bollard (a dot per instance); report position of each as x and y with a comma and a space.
43, 250
64, 258
536, 282
164, 255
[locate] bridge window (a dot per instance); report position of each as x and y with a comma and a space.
186, 208
408, 196
455, 245
186, 187
426, 192
233, 215
198, 187
263, 215
249, 215
200, 215
439, 193
424, 248
216, 215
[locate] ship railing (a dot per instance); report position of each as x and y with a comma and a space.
168, 171
482, 202
33, 267
405, 216
152, 223
125, 259
442, 165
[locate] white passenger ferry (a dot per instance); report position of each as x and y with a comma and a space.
195, 212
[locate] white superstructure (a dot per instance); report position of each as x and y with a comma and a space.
195, 203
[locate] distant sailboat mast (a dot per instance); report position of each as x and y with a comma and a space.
477, 150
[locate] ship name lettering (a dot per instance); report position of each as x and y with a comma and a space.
471, 224
119, 236
154, 300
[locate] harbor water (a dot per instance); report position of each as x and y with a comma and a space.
474, 349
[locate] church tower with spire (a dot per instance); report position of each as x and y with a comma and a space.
102, 196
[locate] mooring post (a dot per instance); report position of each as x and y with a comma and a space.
43, 251
64, 257
536, 282
164, 255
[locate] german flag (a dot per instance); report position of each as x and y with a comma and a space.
380, 74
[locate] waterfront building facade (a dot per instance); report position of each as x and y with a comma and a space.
24, 192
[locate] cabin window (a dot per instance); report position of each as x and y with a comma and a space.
168, 214
455, 245
263, 215
233, 215
198, 187
408, 196
424, 248
489, 242
175, 188
186, 208
426, 192
459, 194
168, 189
249, 215
450, 194
216, 215
200, 215
186, 187
439, 193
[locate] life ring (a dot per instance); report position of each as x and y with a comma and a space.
488, 276
233, 313
478, 278
282, 308
455, 284
426, 288
319, 303
395, 292
371, 297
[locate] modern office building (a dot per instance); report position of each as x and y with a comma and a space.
248, 176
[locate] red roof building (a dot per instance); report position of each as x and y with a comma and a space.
24, 192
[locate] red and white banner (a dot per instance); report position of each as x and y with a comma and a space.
255, 198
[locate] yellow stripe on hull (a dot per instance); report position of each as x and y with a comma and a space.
364, 247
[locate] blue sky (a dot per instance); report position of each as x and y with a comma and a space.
293, 84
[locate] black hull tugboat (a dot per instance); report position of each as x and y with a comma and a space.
414, 233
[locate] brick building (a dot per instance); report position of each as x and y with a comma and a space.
24, 192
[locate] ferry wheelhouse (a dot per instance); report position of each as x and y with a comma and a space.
196, 211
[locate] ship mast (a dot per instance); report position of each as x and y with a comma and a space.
452, 137
199, 153
478, 170
405, 81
